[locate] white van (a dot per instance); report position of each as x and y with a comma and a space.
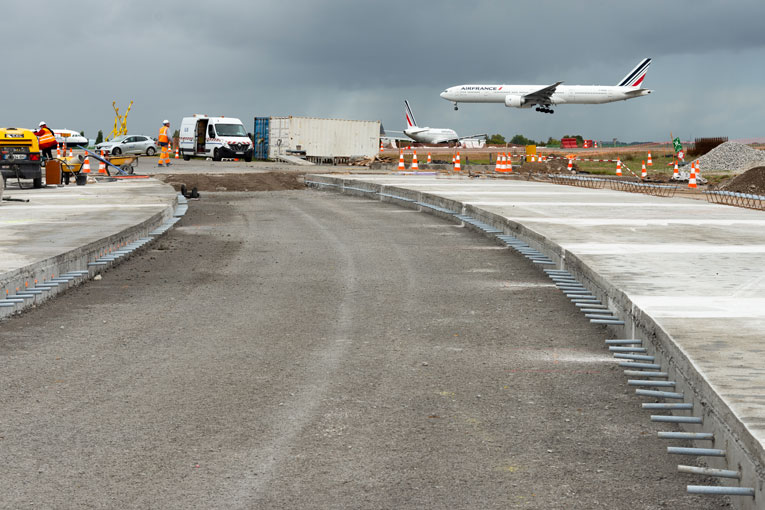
215, 137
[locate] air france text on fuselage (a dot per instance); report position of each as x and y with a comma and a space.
480, 87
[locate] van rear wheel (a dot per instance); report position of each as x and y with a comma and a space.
216, 155
186, 157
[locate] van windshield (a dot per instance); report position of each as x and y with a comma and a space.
230, 130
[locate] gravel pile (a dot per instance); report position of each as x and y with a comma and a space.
731, 157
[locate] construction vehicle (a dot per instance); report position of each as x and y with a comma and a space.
20, 155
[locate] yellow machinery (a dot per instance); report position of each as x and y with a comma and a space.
120, 122
531, 152
20, 155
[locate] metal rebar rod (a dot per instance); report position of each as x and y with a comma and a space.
636, 357
667, 405
659, 394
650, 382
692, 436
645, 373
626, 349
626, 341
697, 420
630, 364
706, 471
721, 491
706, 452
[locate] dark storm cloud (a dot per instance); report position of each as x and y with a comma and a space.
360, 60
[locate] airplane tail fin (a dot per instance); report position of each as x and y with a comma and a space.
410, 122
636, 76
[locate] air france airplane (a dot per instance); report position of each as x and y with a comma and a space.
428, 134
544, 96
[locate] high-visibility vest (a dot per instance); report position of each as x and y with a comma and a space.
47, 139
163, 135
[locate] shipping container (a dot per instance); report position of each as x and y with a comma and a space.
317, 140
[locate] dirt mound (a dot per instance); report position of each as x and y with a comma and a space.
261, 181
751, 181
555, 166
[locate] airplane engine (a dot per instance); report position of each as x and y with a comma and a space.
514, 102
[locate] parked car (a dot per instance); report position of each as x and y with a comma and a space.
129, 144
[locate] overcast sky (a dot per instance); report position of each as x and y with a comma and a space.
66, 61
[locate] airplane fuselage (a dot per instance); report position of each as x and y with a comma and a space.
512, 95
431, 135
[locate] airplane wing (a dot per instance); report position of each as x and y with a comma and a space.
482, 135
542, 96
396, 135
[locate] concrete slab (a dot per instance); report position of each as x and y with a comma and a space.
61, 229
686, 275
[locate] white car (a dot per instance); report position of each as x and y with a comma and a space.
129, 144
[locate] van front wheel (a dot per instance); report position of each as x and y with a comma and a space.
216, 155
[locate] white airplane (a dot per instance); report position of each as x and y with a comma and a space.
428, 134
526, 96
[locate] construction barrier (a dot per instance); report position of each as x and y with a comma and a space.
746, 200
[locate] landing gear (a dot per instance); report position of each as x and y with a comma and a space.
456, 107
544, 109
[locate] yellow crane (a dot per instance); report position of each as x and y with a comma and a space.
120, 122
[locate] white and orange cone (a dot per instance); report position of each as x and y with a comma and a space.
570, 166
676, 172
650, 162
176, 153
401, 166
498, 166
58, 151
381, 146
508, 163
86, 166
430, 160
692, 179
698, 169
415, 164
457, 166
643, 172
101, 164
619, 167
71, 154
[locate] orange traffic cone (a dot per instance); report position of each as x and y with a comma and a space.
698, 169
676, 173
381, 146
533, 159
508, 163
401, 166
101, 164
429, 159
650, 163
498, 166
570, 166
176, 154
692, 179
415, 165
457, 166
619, 167
71, 154
86, 166
58, 151
643, 172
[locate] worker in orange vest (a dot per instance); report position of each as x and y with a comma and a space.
46, 139
164, 143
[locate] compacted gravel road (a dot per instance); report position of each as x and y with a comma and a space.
304, 349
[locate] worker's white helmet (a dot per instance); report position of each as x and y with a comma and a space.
165, 121
42, 123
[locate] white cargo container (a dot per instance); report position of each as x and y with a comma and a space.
323, 140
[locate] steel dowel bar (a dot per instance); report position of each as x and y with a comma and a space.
703, 452
676, 419
599, 316
594, 310
638, 382
617, 348
636, 357
630, 364
659, 394
617, 322
671, 405
592, 305
646, 373
620, 341
705, 471
692, 436
4, 304
720, 490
